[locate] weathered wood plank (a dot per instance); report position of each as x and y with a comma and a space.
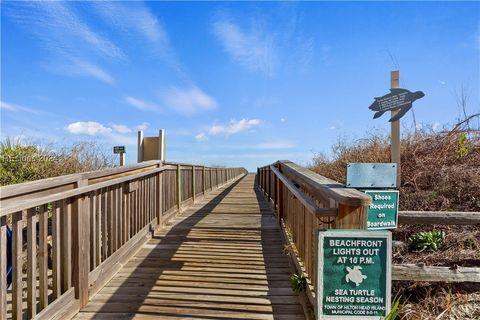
439, 217
17, 263
435, 274
3, 268
31, 263
215, 259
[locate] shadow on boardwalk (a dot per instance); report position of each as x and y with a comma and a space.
221, 259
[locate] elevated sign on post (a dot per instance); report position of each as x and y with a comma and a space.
354, 274
119, 149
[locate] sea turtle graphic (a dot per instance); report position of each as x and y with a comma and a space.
355, 275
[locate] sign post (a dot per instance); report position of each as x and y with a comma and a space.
395, 127
121, 151
398, 101
354, 274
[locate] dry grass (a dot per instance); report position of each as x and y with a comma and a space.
22, 161
440, 171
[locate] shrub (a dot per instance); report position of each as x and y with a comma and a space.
23, 161
298, 282
428, 240
439, 170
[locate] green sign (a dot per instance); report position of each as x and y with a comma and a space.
383, 211
119, 149
354, 274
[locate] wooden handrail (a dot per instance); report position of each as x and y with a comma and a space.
295, 193
98, 219
326, 188
306, 201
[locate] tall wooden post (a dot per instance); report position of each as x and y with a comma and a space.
395, 128
122, 159
140, 147
179, 186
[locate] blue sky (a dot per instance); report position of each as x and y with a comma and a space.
237, 84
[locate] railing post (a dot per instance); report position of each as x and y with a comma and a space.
81, 249
158, 180
279, 200
204, 182
351, 217
193, 183
179, 187
3, 268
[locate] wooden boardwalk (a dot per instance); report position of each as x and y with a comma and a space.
221, 259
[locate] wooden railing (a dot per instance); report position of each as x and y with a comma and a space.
305, 202
70, 234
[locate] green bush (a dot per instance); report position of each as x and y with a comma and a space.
298, 282
428, 240
22, 161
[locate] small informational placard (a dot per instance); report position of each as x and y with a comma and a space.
119, 149
383, 211
371, 175
354, 274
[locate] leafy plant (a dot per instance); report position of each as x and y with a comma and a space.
426, 240
298, 282
395, 309
463, 150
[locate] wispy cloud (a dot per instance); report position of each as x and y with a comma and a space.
132, 17
61, 30
142, 104
337, 124
227, 129
268, 42
275, 145
7, 106
233, 127
143, 126
137, 22
201, 136
121, 128
255, 48
188, 101
85, 68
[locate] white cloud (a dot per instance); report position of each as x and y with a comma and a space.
233, 127
188, 101
442, 82
90, 127
121, 128
201, 137
15, 107
282, 119
254, 49
143, 126
141, 104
